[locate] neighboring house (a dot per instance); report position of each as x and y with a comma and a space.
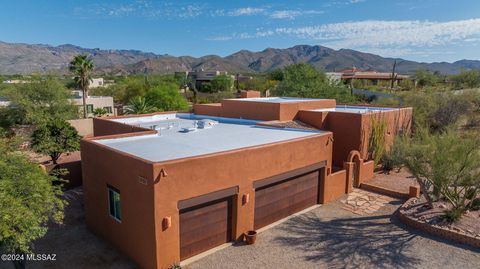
15, 81
373, 77
201, 76
4, 102
93, 102
165, 187
334, 77
99, 82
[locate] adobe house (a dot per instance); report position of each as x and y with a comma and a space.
166, 187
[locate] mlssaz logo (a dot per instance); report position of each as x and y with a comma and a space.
41, 257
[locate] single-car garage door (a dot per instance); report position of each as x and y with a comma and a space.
283, 198
205, 226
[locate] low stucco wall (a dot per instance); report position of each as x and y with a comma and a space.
366, 172
103, 127
73, 164
208, 109
84, 127
250, 94
334, 186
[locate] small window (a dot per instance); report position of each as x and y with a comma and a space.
114, 203
108, 109
89, 108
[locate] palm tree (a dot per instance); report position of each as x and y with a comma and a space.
138, 105
81, 66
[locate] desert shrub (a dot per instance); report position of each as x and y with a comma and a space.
393, 159
376, 144
447, 167
449, 111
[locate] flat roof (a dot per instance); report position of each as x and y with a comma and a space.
171, 143
355, 109
276, 99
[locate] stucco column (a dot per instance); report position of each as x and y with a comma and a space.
348, 166
243, 214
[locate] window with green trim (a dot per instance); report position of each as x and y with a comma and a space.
114, 205
108, 109
89, 108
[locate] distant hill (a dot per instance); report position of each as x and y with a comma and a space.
27, 59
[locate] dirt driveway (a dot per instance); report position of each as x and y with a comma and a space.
332, 237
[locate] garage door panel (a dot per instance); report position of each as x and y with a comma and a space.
272, 195
277, 201
208, 219
205, 226
207, 233
289, 189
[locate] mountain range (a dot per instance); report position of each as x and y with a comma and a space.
17, 58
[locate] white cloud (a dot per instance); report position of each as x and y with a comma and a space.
387, 33
245, 11
142, 8
355, 1
387, 38
190, 11
292, 14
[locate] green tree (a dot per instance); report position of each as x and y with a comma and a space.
99, 112
276, 74
138, 105
29, 201
54, 138
221, 83
447, 167
40, 100
82, 67
165, 97
425, 78
466, 79
302, 80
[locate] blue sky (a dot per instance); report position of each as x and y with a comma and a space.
422, 30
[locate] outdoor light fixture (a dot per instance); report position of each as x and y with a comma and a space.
245, 198
167, 222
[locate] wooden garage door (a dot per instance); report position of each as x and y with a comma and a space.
277, 201
205, 226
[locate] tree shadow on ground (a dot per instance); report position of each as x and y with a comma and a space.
370, 241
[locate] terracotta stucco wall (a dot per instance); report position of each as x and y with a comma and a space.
334, 186
197, 176
289, 111
366, 171
351, 130
232, 108
396, 120
103, 127
135, 235
313, 118
208, 109
250, 94
250, 110
347, 135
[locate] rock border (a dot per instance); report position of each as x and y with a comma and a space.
435, 230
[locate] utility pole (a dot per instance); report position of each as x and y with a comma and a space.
394, 76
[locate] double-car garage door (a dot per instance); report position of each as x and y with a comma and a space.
206, 221
281, 199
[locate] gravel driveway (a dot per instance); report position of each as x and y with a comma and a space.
330, 237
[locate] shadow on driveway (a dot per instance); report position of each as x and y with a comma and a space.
370, 241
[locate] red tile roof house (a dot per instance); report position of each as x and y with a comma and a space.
165, 187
